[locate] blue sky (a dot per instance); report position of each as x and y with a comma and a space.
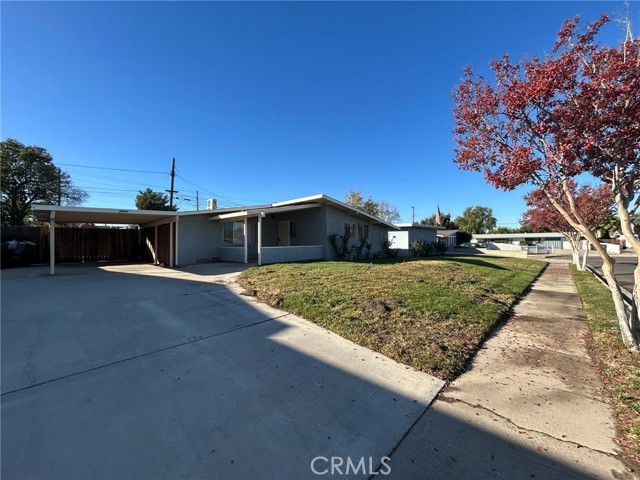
261, 102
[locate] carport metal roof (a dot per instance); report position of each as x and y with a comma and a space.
45, 213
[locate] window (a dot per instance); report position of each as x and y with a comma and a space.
292, 230
233, 233
363, 231
357, 230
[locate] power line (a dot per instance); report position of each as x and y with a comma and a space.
110, 168
226, 199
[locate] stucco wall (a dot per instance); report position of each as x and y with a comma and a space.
335, 220
309, 227
424, 234
291, 254
231, 254
198, 237
402, 240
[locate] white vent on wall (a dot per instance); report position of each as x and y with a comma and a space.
212, 204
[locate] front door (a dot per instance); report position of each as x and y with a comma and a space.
284, 228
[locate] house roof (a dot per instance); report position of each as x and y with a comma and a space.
297, 204
63, 214
418, 225
447, 233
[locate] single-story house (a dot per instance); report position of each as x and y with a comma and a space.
407, 233
288, 231
449, 238
549, 239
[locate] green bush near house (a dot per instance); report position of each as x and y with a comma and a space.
421, 248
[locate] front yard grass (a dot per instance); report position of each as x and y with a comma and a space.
620, 369
430, 314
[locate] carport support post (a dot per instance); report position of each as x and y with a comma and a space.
177, 238
260, 215
246, 242
52, 243
170, 244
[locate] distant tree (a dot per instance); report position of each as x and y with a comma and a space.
544, 121
445, 221
476, 220
378, 208
28, 176
608, 224
150, 200
592, 204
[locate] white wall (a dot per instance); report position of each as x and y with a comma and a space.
503, 246
399, 239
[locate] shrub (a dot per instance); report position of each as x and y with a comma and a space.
388, 251
341, 247
420, 248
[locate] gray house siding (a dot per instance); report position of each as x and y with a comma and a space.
335, 220
198, 238
308, 227
403, 239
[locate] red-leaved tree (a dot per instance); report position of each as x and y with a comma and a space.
546, 120
592, 203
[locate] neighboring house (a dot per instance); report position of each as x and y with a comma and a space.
449, 238
621, 238
410, 232
289, 231
551, 239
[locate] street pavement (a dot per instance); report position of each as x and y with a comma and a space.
624, 267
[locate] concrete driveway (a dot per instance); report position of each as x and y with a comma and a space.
136, 372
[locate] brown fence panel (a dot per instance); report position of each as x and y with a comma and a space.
163, 244
79, 244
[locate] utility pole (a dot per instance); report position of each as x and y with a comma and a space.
413, 215
172, 191
197, 200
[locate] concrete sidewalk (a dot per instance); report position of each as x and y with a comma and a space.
530, 406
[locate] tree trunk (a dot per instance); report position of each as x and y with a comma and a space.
625, 321
627, 230
628, 323
583, 265
575, 249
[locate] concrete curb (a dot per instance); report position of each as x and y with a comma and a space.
626, 295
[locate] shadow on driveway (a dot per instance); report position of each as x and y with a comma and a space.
133, 371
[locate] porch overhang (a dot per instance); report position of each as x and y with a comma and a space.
261, 211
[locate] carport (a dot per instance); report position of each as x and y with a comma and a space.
143, 218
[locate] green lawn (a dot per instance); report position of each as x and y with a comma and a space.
620, 369
431, 314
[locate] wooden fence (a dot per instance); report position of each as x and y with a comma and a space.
77, 244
